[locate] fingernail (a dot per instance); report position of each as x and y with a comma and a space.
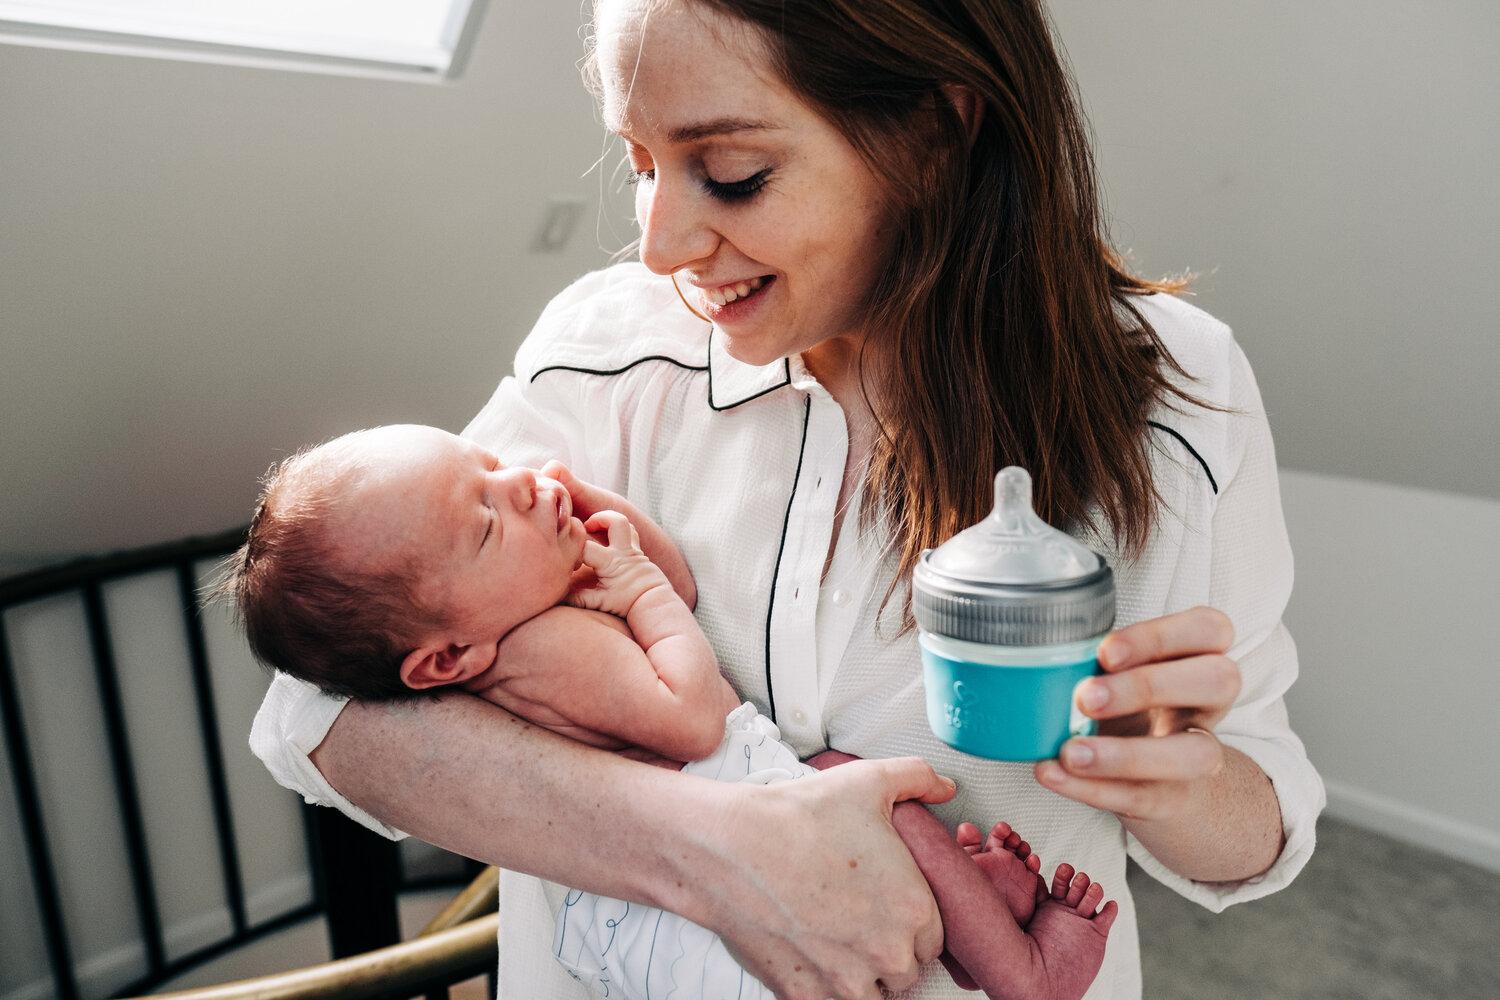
1049, 773
1112, 653
1078, 754
1094, 695
950, 782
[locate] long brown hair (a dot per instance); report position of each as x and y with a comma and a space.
1005, 328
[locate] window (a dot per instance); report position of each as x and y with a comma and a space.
404, 38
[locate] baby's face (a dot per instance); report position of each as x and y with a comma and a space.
495, 545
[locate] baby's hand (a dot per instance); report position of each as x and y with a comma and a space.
622, 573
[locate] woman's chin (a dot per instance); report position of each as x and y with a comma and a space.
747, 351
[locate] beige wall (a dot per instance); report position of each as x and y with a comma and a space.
1329, 169
202, 266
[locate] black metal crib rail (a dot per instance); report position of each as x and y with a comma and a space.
356, 874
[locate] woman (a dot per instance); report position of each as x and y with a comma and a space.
873, 275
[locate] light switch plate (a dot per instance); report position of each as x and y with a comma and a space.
558, 223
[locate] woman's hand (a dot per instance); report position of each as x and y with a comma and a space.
1206, 811
821, 898
1164, 677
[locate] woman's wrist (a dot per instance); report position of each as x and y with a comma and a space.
1225, 828
702, 868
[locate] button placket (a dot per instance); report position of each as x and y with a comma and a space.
794, 667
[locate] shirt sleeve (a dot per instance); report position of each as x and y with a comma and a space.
1250, 580
525, 423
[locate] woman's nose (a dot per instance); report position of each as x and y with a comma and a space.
676, 228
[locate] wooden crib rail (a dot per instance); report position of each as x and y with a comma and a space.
423, 965
355, 875
481, 896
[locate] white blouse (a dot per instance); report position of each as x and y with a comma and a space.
742, 466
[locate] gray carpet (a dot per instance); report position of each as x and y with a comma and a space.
1368, 919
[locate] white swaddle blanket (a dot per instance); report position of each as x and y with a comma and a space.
627, 951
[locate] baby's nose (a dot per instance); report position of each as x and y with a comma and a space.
526, 488
518, 484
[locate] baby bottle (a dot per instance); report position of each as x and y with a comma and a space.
1010, 613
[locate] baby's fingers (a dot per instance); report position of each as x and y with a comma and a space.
616, 527
597, 557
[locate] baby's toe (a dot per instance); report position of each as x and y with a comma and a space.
1060, 880
1077, 888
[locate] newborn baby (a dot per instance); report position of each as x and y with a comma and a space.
404, 559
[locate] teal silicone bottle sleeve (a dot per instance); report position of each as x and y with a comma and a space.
1011, 709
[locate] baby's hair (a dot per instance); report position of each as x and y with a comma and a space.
305, 610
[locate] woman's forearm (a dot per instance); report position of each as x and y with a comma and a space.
468, 776
1228, 830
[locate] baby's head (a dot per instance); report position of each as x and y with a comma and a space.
394, 560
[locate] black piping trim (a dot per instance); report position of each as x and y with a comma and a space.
786, 380
781, 550
618, 371
1191, 450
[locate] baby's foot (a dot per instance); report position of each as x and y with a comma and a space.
1069, 935
1007, 861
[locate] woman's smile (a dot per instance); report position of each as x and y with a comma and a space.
736, 302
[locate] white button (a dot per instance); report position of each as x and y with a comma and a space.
799, 717
841, 597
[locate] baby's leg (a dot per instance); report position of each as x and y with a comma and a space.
980, 914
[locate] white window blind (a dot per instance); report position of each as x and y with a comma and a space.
420, 36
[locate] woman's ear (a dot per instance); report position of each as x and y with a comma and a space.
437, 665
970, 108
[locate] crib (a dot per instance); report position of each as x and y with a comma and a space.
154, 841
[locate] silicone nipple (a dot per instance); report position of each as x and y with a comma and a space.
1013, 544
1012, 499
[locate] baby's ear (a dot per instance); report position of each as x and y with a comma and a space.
437, 665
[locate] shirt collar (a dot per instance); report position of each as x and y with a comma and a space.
732, 382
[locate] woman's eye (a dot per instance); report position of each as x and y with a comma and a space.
731, 191
737, 190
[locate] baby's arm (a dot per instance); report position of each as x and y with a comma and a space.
651, 680
658, 546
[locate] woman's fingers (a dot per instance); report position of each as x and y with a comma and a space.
1126, 799
1207, 684
913, 778
1171, 637
1182, 757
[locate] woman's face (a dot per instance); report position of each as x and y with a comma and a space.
769, 218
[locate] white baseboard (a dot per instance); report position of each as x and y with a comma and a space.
1414, 825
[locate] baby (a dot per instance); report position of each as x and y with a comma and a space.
404, 559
